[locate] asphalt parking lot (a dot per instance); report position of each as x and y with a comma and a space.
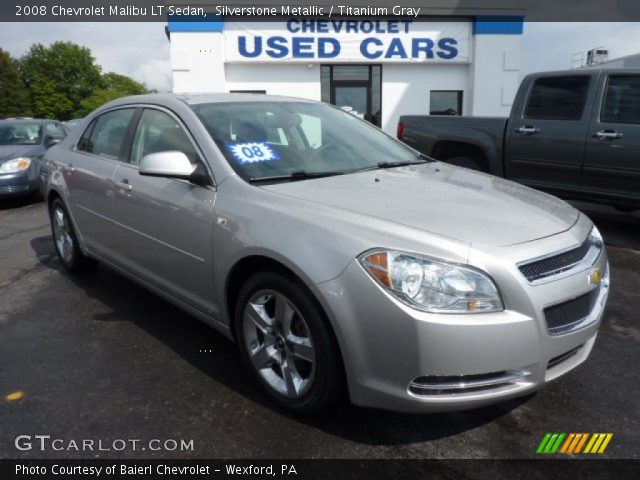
98, 357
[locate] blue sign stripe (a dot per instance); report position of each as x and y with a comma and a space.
187, 23
498, 25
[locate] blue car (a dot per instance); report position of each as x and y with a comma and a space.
22, 144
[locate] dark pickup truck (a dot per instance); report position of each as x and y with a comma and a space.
575, 134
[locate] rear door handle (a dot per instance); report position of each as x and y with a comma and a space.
124, 185
528, 130
607, 135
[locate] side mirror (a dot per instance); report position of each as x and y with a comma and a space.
51, 141
171, 164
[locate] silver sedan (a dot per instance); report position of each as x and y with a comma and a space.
341, 261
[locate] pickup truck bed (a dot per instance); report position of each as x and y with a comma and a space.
473, 142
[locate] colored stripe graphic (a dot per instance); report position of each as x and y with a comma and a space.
598, 442
550, 443
555, 442
581, 443
567, 443
543, 443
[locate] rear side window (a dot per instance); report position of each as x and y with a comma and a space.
106, 135
622, 100
558, 98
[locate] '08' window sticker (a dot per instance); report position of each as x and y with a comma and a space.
247, 153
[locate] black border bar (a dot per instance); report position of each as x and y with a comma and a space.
535, 468
156, 10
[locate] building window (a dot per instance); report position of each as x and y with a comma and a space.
445, 102
248, 91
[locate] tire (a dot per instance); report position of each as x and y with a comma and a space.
467, 162
299, 366
65, 240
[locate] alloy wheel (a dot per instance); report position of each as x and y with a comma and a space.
62, 235
278, 341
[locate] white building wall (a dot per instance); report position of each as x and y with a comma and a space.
293, 79
406, 87
197, 62
489, 81
494, 74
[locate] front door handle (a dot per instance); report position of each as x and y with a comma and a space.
528, 130
607, 135
124, 185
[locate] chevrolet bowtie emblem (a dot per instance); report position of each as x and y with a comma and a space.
595, 277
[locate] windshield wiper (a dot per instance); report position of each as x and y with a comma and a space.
403, 163
294, 176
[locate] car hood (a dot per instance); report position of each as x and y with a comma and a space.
442, 199
7, 152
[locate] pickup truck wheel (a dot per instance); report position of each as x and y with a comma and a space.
286, 344
65, 240
467, 162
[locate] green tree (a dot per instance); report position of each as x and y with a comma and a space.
49, 102
15, 100
63, 69
113, 86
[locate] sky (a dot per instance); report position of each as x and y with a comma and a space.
141, 50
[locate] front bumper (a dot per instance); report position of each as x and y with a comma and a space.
19, 183
398, 358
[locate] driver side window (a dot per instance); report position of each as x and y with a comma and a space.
159, 132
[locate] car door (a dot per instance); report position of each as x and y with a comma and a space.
166, 225
88, 175
612, 159
546, 133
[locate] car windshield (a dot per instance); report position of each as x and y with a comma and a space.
20, 133
265, 140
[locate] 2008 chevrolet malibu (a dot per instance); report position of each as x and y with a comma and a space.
338, 259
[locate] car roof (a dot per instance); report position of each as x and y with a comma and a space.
25, 120
588, 71
202, 98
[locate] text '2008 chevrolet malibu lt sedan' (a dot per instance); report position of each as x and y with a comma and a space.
339, 259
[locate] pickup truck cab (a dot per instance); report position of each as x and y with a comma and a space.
574, 133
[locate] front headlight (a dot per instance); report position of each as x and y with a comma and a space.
15, 165
432, 285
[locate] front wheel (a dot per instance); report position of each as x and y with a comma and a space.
286, 344
65, 239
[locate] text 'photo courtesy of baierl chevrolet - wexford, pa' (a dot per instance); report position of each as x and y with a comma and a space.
377, 239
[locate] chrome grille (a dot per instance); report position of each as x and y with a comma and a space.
564, 316
556, 263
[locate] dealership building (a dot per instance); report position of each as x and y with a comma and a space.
375, 67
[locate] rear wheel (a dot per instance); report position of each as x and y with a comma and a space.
65, 239
286, 344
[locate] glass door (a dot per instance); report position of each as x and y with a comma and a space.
354, 88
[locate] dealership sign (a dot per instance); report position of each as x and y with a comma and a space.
338, 40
